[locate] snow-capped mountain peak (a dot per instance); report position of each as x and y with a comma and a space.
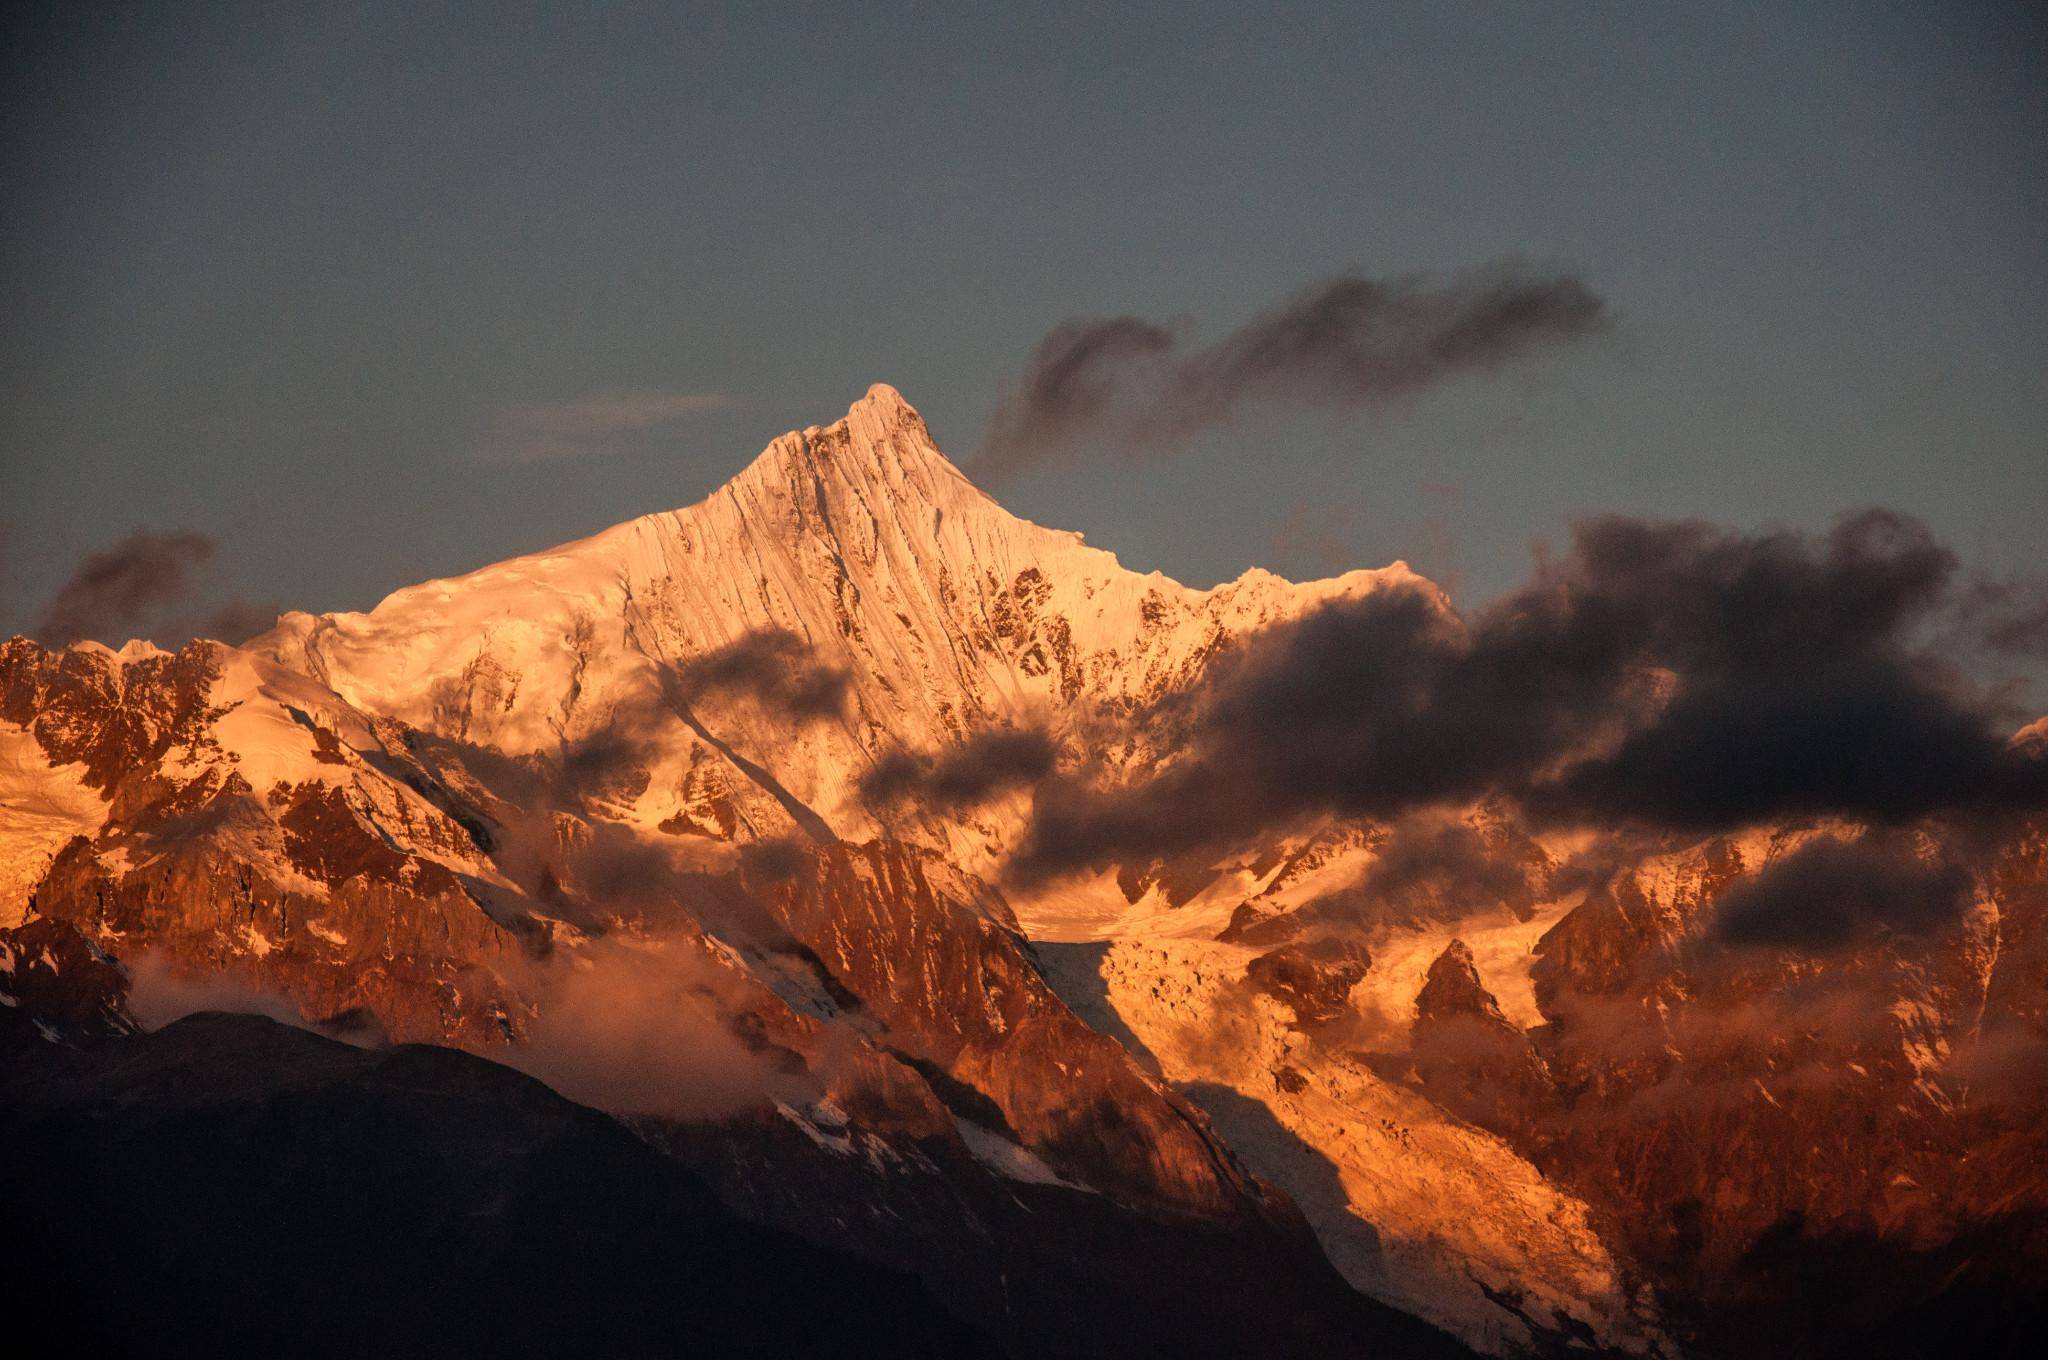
861, 541
879, 450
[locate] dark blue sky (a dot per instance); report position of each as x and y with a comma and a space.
338, 284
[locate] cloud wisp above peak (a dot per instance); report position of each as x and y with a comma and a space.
148, 584
1131, 387
525, 432
123, 583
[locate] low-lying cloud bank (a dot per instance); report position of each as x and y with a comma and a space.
633, 1025
162, 989
1661, 676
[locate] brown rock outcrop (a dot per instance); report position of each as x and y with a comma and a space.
1314, 978
1474, 1061
955, 993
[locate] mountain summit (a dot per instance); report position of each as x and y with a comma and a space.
862, 543
599, 811
674, 817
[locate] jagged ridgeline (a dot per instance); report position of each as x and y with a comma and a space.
718, 821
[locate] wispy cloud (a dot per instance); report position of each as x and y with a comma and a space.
1132, 387
587, 427
962, 776
151, 585
123, 584
772, 666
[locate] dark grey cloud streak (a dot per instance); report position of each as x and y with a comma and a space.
147, 584
124, 583
1129, 385
986, 764
773, 666
1828, 892
1669, 676
1445, 863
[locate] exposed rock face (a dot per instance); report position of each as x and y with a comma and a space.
1734, 1109
57, 986
335, 884
1763, 1132
955, 992
114, 715
1795, 1144
1472, 1059
704, 801
1313, 979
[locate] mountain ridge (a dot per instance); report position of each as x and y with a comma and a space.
673, 736
859, 539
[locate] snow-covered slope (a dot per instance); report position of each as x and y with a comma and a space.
411, 811
949, 616
41, 806
946, 613
214, 805
1414, 1206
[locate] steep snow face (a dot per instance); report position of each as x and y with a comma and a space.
946, 614
1412, 1205
287, 736
42, 806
